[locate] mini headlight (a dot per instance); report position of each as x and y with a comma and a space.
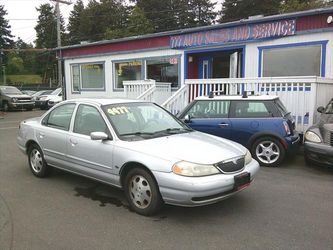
14, 99
312, 137
248, 157
192, 169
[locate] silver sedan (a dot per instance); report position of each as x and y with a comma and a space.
139, 147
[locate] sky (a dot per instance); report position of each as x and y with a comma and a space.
22, 16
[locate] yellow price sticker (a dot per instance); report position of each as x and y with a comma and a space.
118, 110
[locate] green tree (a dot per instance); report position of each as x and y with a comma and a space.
233, 10
25, 51
137, 24
300, 5
201, 13
77, 23
46, 33
6, 36
15, 64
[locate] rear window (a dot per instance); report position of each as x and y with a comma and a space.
281, 107
252, 109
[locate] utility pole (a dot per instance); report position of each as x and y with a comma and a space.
59, 44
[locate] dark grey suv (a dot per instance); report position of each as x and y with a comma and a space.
318, 139
13, 98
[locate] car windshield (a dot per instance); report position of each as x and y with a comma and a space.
135, 121
329, 108
42, 92
56, 91
11, 91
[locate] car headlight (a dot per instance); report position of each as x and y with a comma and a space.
248, 157
312, 136
192, 169
14, 99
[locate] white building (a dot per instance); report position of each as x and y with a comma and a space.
289, 55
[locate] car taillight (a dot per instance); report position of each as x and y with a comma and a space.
286, 127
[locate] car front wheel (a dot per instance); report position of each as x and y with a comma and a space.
142, 192
268, 151
37, 162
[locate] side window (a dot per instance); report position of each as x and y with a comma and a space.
60, 117
248, 109
88, 119
210, 109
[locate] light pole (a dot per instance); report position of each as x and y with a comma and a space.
59, 44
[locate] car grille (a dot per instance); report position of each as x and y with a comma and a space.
231, 166
331, 141
23, 100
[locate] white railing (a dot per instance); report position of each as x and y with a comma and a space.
133, 89
147, 90
301, 95
177, 101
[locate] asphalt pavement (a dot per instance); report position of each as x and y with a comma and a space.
289, 207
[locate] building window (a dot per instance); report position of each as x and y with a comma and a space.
293, 60
75, 78
92, 76
88, 76
164, 69
127, 71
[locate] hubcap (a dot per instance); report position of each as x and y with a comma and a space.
267, 152
36, 160
140, 191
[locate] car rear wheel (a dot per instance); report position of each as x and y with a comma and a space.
268, 151
37, 162
142, 192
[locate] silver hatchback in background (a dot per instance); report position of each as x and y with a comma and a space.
139, 147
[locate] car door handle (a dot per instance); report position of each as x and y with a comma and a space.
223, 125
41, 135
73, 142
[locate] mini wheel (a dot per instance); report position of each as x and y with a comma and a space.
37, 162
268, 151
142, 192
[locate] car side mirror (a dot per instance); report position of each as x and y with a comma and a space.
321, 109
95, 136
187, 119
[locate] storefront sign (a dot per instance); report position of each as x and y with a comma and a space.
247, 32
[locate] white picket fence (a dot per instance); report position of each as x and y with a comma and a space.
301, 95
148, 90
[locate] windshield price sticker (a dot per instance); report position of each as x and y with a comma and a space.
118, 110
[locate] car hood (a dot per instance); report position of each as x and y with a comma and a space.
194, 147
18, 96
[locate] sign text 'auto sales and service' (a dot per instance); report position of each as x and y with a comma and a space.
248, 32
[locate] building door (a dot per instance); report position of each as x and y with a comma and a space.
205, 68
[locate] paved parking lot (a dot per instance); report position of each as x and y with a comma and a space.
290, 207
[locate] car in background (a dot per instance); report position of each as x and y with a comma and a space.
42, 100
318, 139
53, 101
12, 98
28, 92
260, 123
40, 93
139, 147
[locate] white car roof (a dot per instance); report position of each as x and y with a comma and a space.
239, 97
103, 101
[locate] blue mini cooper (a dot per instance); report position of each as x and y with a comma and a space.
260, 123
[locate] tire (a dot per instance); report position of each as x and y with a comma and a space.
37, 162
142, 192
268, 151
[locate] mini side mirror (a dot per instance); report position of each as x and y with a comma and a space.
187, 119
321, 109
98, 136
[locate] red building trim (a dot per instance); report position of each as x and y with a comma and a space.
133, 45
313, 22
